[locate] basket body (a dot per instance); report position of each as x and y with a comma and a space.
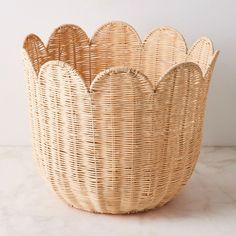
117, 124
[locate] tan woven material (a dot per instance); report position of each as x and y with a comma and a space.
117, 123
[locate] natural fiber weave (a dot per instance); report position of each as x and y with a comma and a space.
116, 123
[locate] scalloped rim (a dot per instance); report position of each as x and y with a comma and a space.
34, 36
165, 28
119, 70
204, 38
142, 43
69, 69
64, 26
103, 26
114, 70
90, 40
179, 65
212, 64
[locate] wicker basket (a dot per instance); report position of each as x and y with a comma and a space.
116, 122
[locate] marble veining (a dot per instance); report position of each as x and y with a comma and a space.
206, 206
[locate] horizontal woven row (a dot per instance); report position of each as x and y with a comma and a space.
116, 123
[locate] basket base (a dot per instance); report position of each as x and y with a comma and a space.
118, 212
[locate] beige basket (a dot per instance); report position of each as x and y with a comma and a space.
117, 123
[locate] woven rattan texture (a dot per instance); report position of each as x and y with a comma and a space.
117, 123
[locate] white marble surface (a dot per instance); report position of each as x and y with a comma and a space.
207, 205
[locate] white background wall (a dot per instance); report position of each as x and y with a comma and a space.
215, 19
